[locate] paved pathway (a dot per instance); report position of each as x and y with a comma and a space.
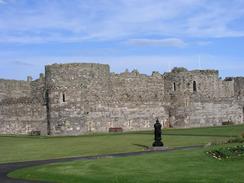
9, 167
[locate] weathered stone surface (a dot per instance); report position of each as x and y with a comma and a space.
22, 118
14, 88
73, 99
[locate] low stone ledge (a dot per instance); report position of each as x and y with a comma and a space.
162, 148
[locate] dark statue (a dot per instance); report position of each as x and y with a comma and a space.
157, 134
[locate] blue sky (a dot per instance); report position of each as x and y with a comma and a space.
146, 35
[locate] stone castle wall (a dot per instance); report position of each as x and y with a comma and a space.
72, 90
137, 100
38, 89
136, 87
207, 83
22, 116
214, 113
202, 114
14, 89
239, 87
226, 88
78, 98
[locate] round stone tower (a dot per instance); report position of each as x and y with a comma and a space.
70, 90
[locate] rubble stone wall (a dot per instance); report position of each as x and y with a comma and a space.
202, 114
136, 87
128, 116
21, 116
79, 98
73, 90
14, 89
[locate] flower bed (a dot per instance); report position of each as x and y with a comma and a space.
227, 152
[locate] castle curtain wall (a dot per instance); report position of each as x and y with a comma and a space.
79, 98
137, 101
14, 89
22, 116
203, 114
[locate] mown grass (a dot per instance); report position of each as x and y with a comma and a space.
22, 148
233, 130
193, 166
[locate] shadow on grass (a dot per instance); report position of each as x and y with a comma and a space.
140, 145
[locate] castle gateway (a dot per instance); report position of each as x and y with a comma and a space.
78, 98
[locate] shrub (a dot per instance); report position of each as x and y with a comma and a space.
242, 135
235, 140
227, 152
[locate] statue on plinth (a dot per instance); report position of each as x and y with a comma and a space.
157, 134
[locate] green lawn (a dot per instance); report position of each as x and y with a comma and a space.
27, 148
172, 167
22, 148
233, 130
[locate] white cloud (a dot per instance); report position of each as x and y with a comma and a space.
72, 21
215, 19
36, 39
174, 42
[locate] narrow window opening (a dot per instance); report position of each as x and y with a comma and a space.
186, 104
63, 97
174, 86
194, 86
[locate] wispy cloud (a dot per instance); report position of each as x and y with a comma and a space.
73, 21
203, 43
215, 20
23, 38
21, 63
2, 2
174, 42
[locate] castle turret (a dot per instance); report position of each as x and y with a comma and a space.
181, 82
71, 88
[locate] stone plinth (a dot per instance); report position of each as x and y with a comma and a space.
161, 148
